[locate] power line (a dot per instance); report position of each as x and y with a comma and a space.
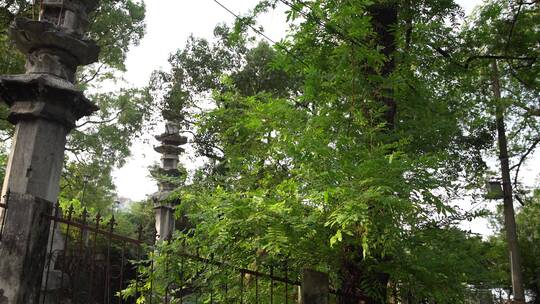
262, 34
330, 29
240, 18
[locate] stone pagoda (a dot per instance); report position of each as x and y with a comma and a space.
44, 105
169, 148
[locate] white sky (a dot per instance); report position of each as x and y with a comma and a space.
169, 24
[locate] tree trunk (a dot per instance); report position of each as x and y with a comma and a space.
384, 20
353, 273
509, 218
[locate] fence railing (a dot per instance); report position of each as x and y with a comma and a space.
89, 262
86, 261
190, 278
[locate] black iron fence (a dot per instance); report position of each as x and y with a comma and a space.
86, 261
89, 262
196, 279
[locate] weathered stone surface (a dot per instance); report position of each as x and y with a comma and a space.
172, 139
167, 172
164, 221
159, 197
52, 62
314, 289
169, 149
36, 158
170, 162
43, 96
30, 35
22, 250
50, 50
72, 16
44, 105
55, 281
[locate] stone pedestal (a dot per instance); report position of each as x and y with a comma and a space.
164, 220
22, 249
314, 289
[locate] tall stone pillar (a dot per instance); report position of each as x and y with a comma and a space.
44, 106
169, 148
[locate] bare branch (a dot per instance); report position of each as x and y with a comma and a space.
85, 81
469, 60
101, 121
523, 158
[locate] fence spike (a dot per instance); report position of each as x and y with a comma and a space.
70, 211
84, 215
112, 223
140, 232
57, 208
97, 219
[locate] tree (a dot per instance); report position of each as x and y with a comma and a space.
527, 220
500, 43
345, 158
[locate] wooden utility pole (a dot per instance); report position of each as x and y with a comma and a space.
509, 217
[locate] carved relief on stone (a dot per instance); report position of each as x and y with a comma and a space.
70, 15
52, 62
51, 51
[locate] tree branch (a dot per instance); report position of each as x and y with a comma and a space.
523, 158
86, 81
498, 57
469, 60
512, 26
102, 121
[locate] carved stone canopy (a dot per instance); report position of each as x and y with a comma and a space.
172, 139
44, 96
50, 50
169, 149
160, 197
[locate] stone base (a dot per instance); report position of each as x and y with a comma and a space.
314, 288
164, 221
23, 248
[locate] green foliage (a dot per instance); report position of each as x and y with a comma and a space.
305, 162
118, 25
134, 217
528, 220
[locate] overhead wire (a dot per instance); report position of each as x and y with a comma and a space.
329, 28
263, 34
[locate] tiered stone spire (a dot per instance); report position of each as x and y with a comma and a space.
169, 148
44, 106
